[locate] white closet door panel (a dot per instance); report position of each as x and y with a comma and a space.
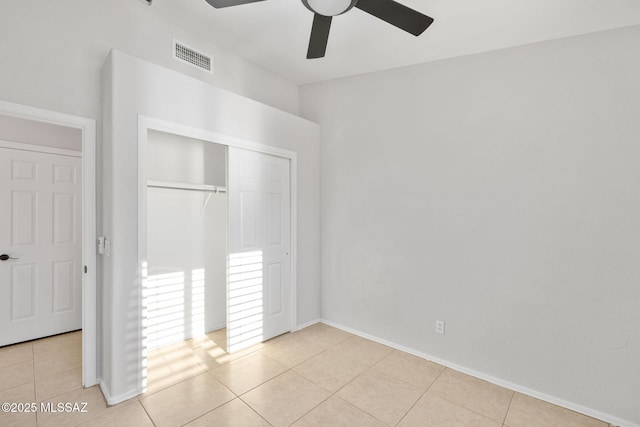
63, 286
259, 280
249, 217
64, 227
24, 215
23, 170
23, 291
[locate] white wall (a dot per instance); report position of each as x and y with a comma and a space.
181, 159
25, 131
52, 53
499, 192
134, 87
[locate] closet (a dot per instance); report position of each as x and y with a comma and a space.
185, 291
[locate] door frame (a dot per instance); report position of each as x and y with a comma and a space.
146, 123
89, 288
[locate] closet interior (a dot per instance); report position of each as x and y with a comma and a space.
185, 291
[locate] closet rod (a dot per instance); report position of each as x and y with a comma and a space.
185, 186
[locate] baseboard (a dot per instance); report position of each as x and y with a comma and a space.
615, 421
307, 324
114, 400
214, 328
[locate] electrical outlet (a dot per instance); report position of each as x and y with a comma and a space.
440, 327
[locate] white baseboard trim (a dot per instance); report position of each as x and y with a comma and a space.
114, 400
307, 324
215, 327
615, 421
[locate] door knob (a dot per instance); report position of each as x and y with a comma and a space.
5, 257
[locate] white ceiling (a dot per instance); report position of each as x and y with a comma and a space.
275, 33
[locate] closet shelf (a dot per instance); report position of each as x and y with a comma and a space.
186, 186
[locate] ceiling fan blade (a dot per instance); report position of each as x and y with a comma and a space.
319, 36
226, 3
396, 14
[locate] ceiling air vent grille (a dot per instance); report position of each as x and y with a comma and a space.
184, 53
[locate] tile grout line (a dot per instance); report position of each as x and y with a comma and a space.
208, 371
146, 412
255, 411
421, 396
400, 379
349, 382
202, 415
306, 339
23, 383
331, 394
314, 355
263, 383
469, 409
368, 367
61, 392
239, 396
310, 410
508, 408
35, 393
290, 369
205, 368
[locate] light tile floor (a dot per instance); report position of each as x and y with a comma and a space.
319, 376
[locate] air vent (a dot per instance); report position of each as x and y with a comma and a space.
184, 53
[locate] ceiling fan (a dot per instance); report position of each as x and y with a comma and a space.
390, 11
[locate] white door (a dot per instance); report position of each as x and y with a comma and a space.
259, 242
40, 226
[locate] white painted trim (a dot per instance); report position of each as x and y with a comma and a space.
143, 128
104, 390
89, 291
217, 327
39, 149
144, 124
219, 138
497, 381
307, 324
114, 400
88, 128
293, 223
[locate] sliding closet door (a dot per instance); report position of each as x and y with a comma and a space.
259, 266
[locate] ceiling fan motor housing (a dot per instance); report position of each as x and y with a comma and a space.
329, 7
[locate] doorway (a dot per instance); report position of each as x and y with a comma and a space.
49, 217
41, 270
252, 219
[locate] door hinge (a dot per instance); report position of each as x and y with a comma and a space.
85, 269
